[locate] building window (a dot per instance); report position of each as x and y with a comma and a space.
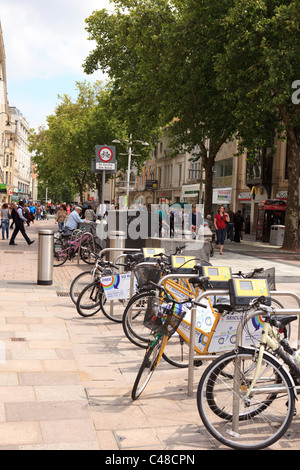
223, 168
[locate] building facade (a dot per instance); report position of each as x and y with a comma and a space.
24, 185
168, 178
17, 178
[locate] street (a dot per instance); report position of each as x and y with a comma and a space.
66, 381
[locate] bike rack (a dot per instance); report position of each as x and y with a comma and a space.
240, 328
289, 311
108, 250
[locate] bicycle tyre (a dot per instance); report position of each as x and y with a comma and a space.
263, 419
60, 254
87, 248
147, 368
133, 320
78, 284
118, 309
89, 300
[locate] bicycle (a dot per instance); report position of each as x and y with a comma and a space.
92, 298
66, 249
165, 321
246, 398
133, 318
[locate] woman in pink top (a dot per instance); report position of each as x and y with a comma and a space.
220, 223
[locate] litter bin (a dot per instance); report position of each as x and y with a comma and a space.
116, 239
277, 235
45, 258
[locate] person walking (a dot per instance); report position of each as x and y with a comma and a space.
19, 221
230, 224
61, 216
5, 221
13, 214
220, 224
238, 226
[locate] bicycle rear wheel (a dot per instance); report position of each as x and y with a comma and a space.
87, 248
263, 418
147, 368
79, 283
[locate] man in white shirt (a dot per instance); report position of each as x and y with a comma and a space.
19, 221
74, 219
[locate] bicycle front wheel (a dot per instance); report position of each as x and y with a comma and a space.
113, 309
263, 418
133, 320
148, 366
89, 300
60, 254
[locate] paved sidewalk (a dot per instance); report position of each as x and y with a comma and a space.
66, 381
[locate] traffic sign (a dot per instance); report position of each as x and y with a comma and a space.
106, 166
109, 168
105, 154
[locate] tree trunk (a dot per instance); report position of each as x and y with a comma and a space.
291, 237
208, 165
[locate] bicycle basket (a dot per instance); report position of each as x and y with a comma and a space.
268, 274
165, 315
146, 273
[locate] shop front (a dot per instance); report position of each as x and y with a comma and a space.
190, 194
221, 196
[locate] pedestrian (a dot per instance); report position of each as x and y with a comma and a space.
230, 224
61, 216
238, 226
32, 212
90, 214
74, 220
27, 214
220, 224
5, 221
38, 212
19, 221
195, 221
13, 213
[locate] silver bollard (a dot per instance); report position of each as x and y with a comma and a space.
45, 258
116, 240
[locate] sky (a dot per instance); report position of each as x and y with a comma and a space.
46, 44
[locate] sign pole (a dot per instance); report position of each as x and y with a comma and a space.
103, 187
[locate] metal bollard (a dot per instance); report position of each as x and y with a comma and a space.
45, 258
116, 240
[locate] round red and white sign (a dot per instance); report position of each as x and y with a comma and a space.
106, 154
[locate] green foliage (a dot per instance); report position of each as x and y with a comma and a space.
64, 150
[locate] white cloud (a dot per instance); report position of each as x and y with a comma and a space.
46, 39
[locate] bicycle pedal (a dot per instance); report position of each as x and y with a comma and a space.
198, 363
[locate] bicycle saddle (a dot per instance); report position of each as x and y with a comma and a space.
134, 258
285, 320
199, 280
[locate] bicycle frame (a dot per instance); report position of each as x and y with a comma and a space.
270, 338
76, 244
184, 330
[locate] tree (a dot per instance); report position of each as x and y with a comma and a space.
160, 56
63, 151
258, 66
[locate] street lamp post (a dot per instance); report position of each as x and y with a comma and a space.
130, 155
